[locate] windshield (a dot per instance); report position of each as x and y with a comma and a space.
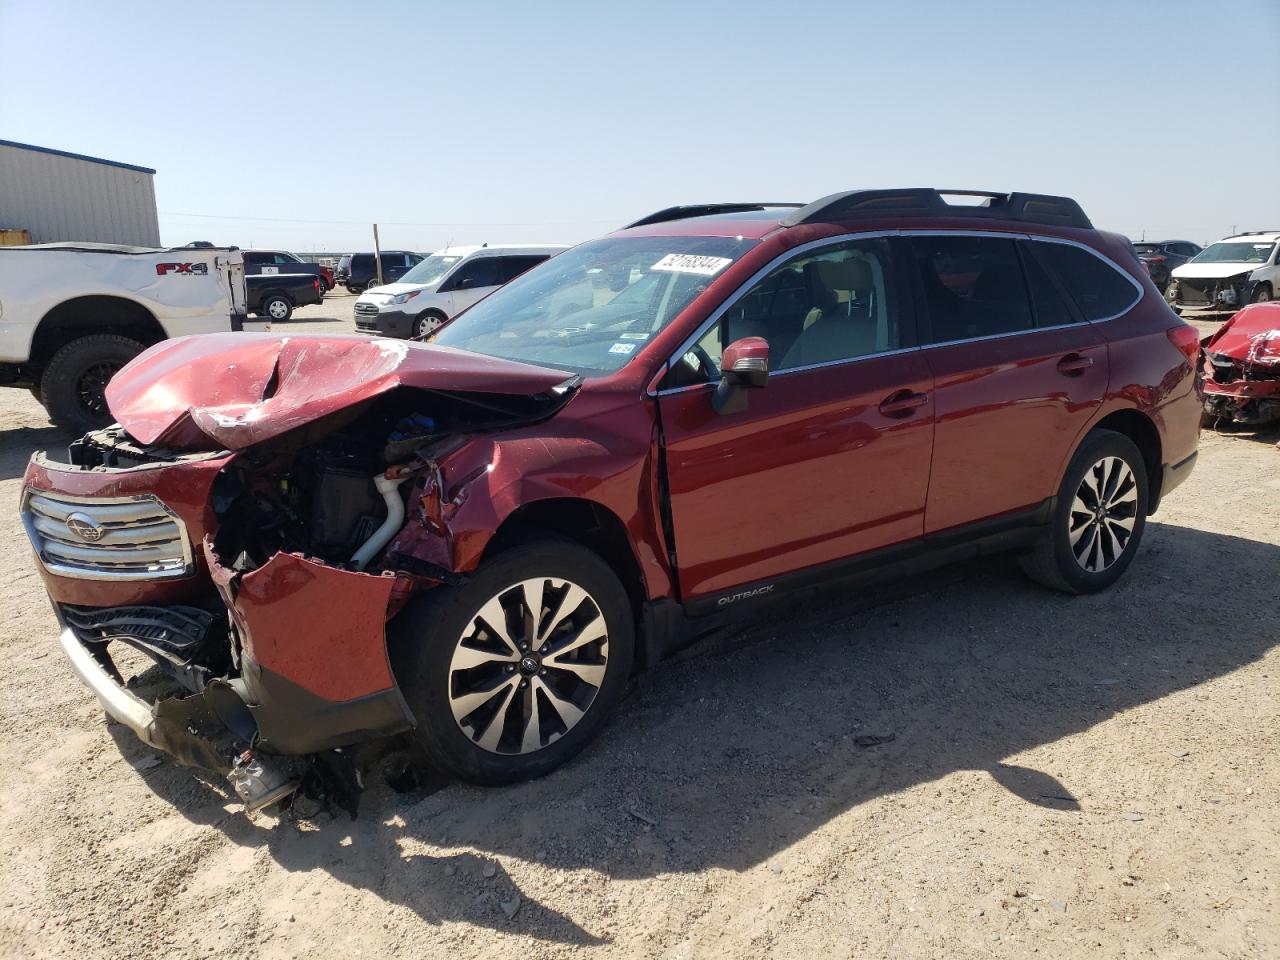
1146, 249
431, 270
1235, 252
593, 307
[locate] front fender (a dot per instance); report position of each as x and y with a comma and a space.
455, 513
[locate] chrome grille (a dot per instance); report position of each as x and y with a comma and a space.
367, 308
122, 538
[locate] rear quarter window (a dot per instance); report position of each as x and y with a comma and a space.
1099, 289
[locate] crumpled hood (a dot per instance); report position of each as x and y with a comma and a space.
1213, 271
1251, 336
238, 389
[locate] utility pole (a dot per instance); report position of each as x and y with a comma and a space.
377, 256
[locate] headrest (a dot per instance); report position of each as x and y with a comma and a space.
851, 274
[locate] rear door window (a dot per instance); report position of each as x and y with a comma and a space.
972, 287
1099, 289
1047, 300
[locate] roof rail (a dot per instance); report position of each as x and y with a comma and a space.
702, 210
930, 202
1252, 233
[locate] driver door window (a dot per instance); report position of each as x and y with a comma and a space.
482, 272
835, 304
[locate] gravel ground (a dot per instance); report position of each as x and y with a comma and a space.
1092, 776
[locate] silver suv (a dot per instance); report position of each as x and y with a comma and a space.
442, 286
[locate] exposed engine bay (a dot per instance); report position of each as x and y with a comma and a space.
249, 686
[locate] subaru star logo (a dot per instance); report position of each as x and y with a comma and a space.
85, 527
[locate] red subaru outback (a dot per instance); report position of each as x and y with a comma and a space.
320, 541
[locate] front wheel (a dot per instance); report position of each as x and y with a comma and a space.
1098, 519
426, 325
513, 672
1262, 294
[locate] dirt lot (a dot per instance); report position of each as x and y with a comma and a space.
1091, 776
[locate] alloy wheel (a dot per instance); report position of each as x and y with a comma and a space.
91, 387
278, 309
1103, 514
528, 666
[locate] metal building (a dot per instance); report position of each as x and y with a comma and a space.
58, 196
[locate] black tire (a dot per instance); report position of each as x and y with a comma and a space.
427, 319
72, 385
353, 288
324, 287
424, 637
1053, 561
275, 307
1262, 294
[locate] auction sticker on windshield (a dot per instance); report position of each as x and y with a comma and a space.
691, 263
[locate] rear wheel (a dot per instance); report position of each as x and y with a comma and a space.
277, 307
1098, 520
72, 387
513, 672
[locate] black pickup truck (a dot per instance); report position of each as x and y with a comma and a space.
272, 296
281, 261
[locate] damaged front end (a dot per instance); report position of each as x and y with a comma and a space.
1211, 293
223, 562
1242, 368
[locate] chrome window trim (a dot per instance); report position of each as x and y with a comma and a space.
715, 315
79, 573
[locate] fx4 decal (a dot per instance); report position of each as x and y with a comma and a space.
193, 269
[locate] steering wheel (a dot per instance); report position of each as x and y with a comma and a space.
706, 365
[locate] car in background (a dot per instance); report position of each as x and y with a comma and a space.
1228, 274
1160, 257
75, 313
274, 296
357, 271
443, 285
279, 261
1242, 368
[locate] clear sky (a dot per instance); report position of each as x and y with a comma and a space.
296, 125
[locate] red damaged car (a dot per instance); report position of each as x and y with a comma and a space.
1242, 367
326, 540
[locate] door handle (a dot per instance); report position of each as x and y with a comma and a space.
1072, 365
902, 403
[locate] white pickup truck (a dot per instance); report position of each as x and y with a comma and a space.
72, 314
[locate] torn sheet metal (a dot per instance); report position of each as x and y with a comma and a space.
317, 626
235, 390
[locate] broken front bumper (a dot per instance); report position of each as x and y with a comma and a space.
183, 728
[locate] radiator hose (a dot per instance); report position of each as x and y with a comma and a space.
389, 488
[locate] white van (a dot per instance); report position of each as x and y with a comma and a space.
443, 285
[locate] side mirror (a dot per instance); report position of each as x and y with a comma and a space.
743, 366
